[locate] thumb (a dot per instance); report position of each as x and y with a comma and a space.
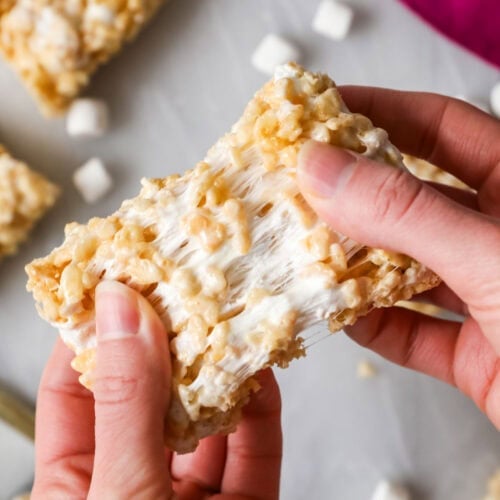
386, 207
132, 391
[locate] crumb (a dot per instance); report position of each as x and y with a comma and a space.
366, 369
493, 487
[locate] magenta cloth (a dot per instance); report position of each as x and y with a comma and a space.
475, 24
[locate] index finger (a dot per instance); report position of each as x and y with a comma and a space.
254, 451
64, 434
445, 131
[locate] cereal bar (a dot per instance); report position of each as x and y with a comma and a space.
24, 198
231, 257
56, 45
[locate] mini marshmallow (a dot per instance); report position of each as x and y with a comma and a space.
474, 102
385, 490
87, 118
92, 180
272, 51
495, 100
333, 19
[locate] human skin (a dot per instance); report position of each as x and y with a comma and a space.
110, 444
457, 234
453, 232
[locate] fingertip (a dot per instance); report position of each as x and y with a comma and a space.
323, 169
267, 399
362, 331
117, 311
306, 152
254, 451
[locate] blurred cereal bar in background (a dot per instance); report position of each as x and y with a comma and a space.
56, 45
24, 197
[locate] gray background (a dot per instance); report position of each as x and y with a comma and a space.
172, 94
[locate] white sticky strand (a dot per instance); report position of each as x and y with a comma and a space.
312, 332
308, 338
308, 346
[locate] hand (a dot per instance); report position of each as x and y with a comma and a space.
122, 455
455, 233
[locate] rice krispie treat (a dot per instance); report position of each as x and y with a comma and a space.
24, 197
56, 45
231, 257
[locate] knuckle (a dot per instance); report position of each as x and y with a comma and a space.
396, 197
429, 139
110, 390
483, 293
411, 346
64, 476
64, 390
261, 452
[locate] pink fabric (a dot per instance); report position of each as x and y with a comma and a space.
473, 23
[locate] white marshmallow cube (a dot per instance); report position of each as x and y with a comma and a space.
272, 51
385, 490
87, 118
333, 19
495, 100
92, 180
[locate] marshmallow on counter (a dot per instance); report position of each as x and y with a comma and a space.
495, 100
386, 490
474, 102
92, 180
87, 117
272, 51
333, 19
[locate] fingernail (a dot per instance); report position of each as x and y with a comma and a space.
324, 169
117, 311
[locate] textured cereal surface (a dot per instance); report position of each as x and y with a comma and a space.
231, 257
24, 197
56, 45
